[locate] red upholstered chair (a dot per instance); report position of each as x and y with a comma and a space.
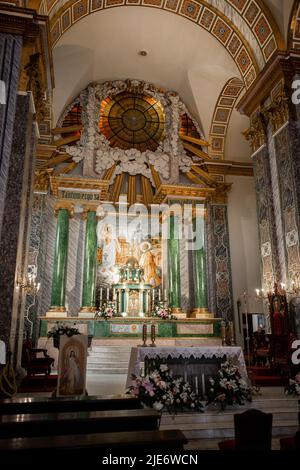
253, 431
291, 443
36, 361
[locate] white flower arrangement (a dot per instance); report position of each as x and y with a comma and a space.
163, 312
228, 387
294, 386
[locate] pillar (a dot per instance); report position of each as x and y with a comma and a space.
174, 266
88, 304
199, 267
59, 277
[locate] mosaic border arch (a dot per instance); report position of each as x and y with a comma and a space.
293, 40
221, 117
200, 12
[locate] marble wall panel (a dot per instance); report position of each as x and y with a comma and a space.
289, 204
10, 56
13, 238
270, 266
221, 262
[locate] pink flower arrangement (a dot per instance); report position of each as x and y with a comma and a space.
159, 390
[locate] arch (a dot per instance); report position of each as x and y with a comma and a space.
221, 117
249, 35
293, 40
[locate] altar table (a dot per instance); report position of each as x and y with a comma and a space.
191, 355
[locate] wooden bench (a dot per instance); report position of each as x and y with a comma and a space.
118, 441
66, 404
83, 422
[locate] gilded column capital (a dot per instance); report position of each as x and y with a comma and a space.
277, 112
87, 209
257, 133
42, 180
64, 205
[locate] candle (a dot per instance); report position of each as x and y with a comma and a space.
100, 294
165, 295
196, 385
257, 292
107, 293
153, 294
203, 384
159, 294
114, 294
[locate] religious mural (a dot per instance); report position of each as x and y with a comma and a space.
114, 252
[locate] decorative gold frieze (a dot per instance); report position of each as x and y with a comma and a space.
191, 192
81, 189
256, 134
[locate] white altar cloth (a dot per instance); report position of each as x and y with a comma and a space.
2, 352
139, 354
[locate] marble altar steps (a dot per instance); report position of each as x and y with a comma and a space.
108, 359
219, 425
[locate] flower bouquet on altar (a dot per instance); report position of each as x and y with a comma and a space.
294, 386
228, 388
108, 310
163, 312
60, 329
159, 390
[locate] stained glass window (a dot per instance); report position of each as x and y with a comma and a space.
130, 120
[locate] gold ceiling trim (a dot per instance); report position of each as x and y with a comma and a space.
200, 12
265, 32
221, 117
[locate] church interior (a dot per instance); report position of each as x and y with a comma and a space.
149, 225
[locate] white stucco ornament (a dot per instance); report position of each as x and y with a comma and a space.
94, 145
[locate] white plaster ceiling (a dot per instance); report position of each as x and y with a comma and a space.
281, 10
181, 57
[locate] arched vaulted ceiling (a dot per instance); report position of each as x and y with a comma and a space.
194, 48
245, 27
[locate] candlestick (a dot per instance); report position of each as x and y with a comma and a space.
203, 384
196, 385
223, 333
153, 334
144, 335
231, 333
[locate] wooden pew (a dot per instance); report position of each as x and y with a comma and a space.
132, 441
83, 422
66, 404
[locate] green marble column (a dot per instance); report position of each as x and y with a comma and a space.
174, 265
90, 263
59, 278
200, 281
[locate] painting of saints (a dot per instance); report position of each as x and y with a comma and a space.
110, 247
147, 262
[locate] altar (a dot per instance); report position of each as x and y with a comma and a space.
194, 364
